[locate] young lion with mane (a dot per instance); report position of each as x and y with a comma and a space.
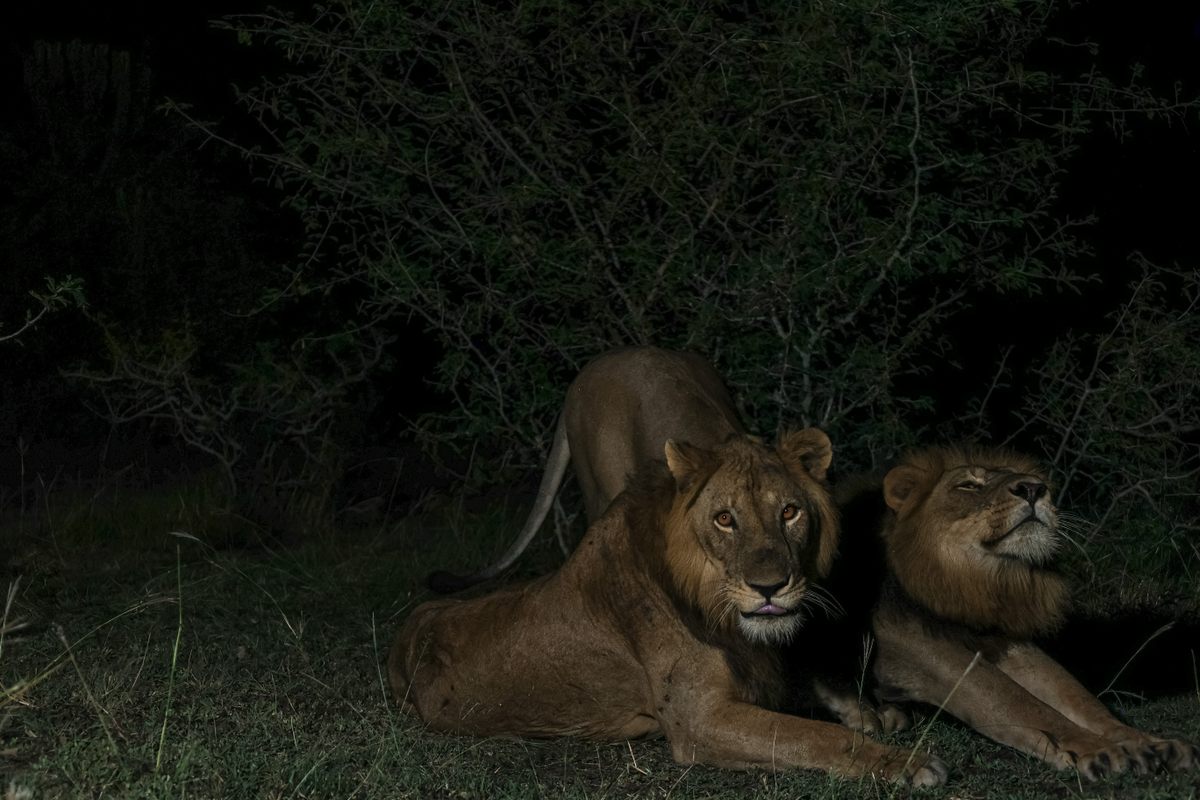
660, 623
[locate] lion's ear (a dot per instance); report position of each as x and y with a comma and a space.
811, 447
686, 462
901, 484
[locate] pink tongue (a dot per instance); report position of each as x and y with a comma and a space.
771, 608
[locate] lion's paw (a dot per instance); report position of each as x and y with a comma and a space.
1174, 754
892, 718
916, 769
932, 773
1100, 762
1150, 752
864, 717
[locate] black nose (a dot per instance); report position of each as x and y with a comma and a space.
766, 590
1029, 490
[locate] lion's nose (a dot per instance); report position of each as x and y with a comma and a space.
766, 590
1029, 490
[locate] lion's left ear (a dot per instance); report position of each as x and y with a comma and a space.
686, 462
810, 447
901, 484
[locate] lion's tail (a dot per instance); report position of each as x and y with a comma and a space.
444, 582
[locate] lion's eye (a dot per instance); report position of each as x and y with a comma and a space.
789, 513
724, 520
969, 486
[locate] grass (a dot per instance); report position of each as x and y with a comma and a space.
266, 681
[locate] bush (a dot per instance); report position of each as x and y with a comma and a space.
819, 197
1118, 415
807, 194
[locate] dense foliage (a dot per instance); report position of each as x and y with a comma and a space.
826, 199
854, 210
807, 195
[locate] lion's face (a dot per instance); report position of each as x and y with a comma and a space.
972, 535
982, 511
761, 530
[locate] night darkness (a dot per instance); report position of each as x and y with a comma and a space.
1138, 188
190, 244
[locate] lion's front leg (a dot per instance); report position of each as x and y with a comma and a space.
1046, 680
740, 735
944, 673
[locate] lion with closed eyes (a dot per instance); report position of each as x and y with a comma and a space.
956, 547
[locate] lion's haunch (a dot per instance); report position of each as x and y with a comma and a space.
619, 413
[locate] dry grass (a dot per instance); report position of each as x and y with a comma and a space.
267, 682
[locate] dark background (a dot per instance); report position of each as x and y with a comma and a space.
1141, 187
297, 565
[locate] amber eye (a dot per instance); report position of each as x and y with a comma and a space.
789, 513
724, 520
969, 486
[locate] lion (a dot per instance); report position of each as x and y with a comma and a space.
661, 622
618, 414
951, 556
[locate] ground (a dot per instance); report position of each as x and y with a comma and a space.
151, 664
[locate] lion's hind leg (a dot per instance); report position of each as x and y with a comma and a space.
412, 662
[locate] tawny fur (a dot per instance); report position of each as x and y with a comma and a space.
1007, 595
637, 633
618, 414
963, 593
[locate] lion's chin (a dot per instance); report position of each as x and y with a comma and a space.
775, 626
1032, 541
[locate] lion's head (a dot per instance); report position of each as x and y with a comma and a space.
971, 538
750, 529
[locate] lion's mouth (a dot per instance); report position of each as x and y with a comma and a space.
770, 623
768, 610
1030, 541
1031, 519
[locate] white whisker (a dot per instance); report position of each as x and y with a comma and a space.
721, 607
823, 599
1073, 540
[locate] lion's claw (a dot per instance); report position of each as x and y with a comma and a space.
1175, 754
1149, 753
1102, 761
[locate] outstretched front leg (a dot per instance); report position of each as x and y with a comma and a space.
727, 733
1045, 679
945, 673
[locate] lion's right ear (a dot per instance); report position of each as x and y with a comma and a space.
686, 462
901, 484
